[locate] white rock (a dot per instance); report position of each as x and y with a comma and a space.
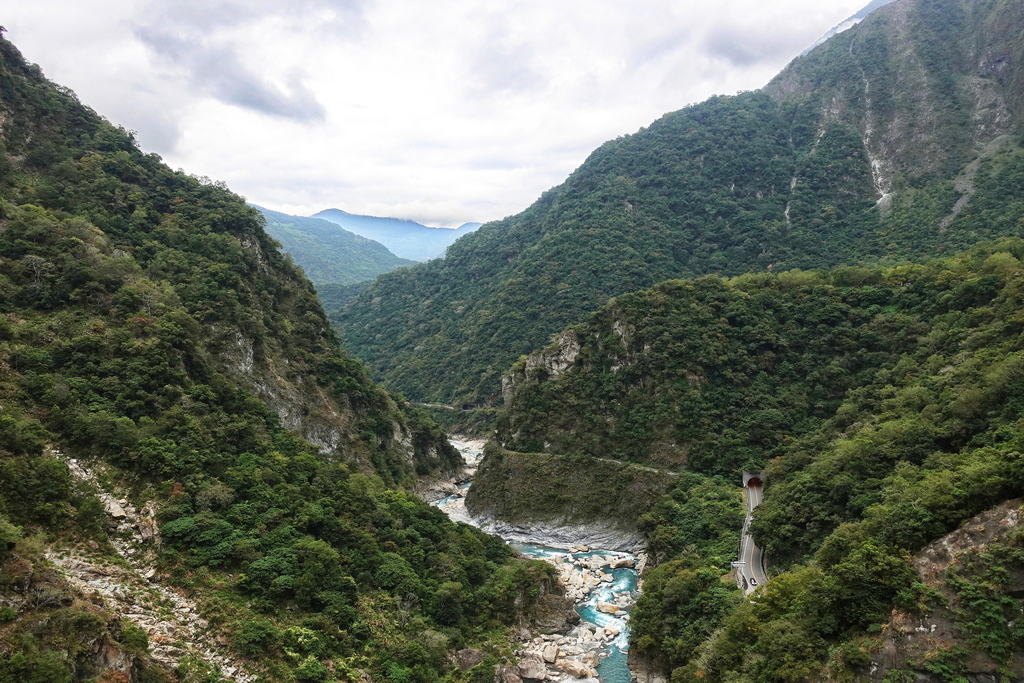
115, 510
533, 667
575, 668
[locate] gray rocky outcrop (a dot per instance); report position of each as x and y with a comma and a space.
468, 657
909, 641
172, 620
554, 534
553, 362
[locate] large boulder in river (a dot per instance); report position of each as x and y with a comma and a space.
554, 614
509, 674
608, 608
533, 669
575, 668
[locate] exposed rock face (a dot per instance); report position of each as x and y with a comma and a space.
324, 418
575, 651
540, 495
32, 589
469, 657
556, 360
909, 641
510, 674
135, 592
432, 489
552, 363
554, 534
302, 407
575, 668
533, 669
900, 141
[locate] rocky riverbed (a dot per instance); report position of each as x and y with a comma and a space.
603, 586
599, 569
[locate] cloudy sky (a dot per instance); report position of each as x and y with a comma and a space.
440, 111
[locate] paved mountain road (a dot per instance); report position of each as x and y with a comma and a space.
751, 562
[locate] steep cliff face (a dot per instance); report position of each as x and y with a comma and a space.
157, 242
883, 404
246, 509
43, 614
897, 139
550, 363
563, 490
703, 374
925, 84
970, 627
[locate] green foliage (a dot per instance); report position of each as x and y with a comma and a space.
988, 611
716, 375
141, 312
886, 406
312, 670
9, 536
256, 637
788, 177
133, 637
51, 636
529, 486
44, 667
699, 513
683, 601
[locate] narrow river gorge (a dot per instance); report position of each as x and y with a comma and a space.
603, 584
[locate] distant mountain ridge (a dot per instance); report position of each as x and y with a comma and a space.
849, 22
897, 139
328, 253
405, 238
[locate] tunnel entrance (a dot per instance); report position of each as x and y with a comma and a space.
753, 481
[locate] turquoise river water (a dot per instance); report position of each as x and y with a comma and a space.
613, 668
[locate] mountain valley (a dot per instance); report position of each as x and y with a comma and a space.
219, 462
897, 139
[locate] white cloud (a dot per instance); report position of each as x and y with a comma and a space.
443, 112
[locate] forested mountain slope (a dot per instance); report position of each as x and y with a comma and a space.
886, 406
180, 431
896, 139
327, 253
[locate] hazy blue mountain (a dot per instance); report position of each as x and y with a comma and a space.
404, 238
329, 253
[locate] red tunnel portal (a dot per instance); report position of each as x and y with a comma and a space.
753, 481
